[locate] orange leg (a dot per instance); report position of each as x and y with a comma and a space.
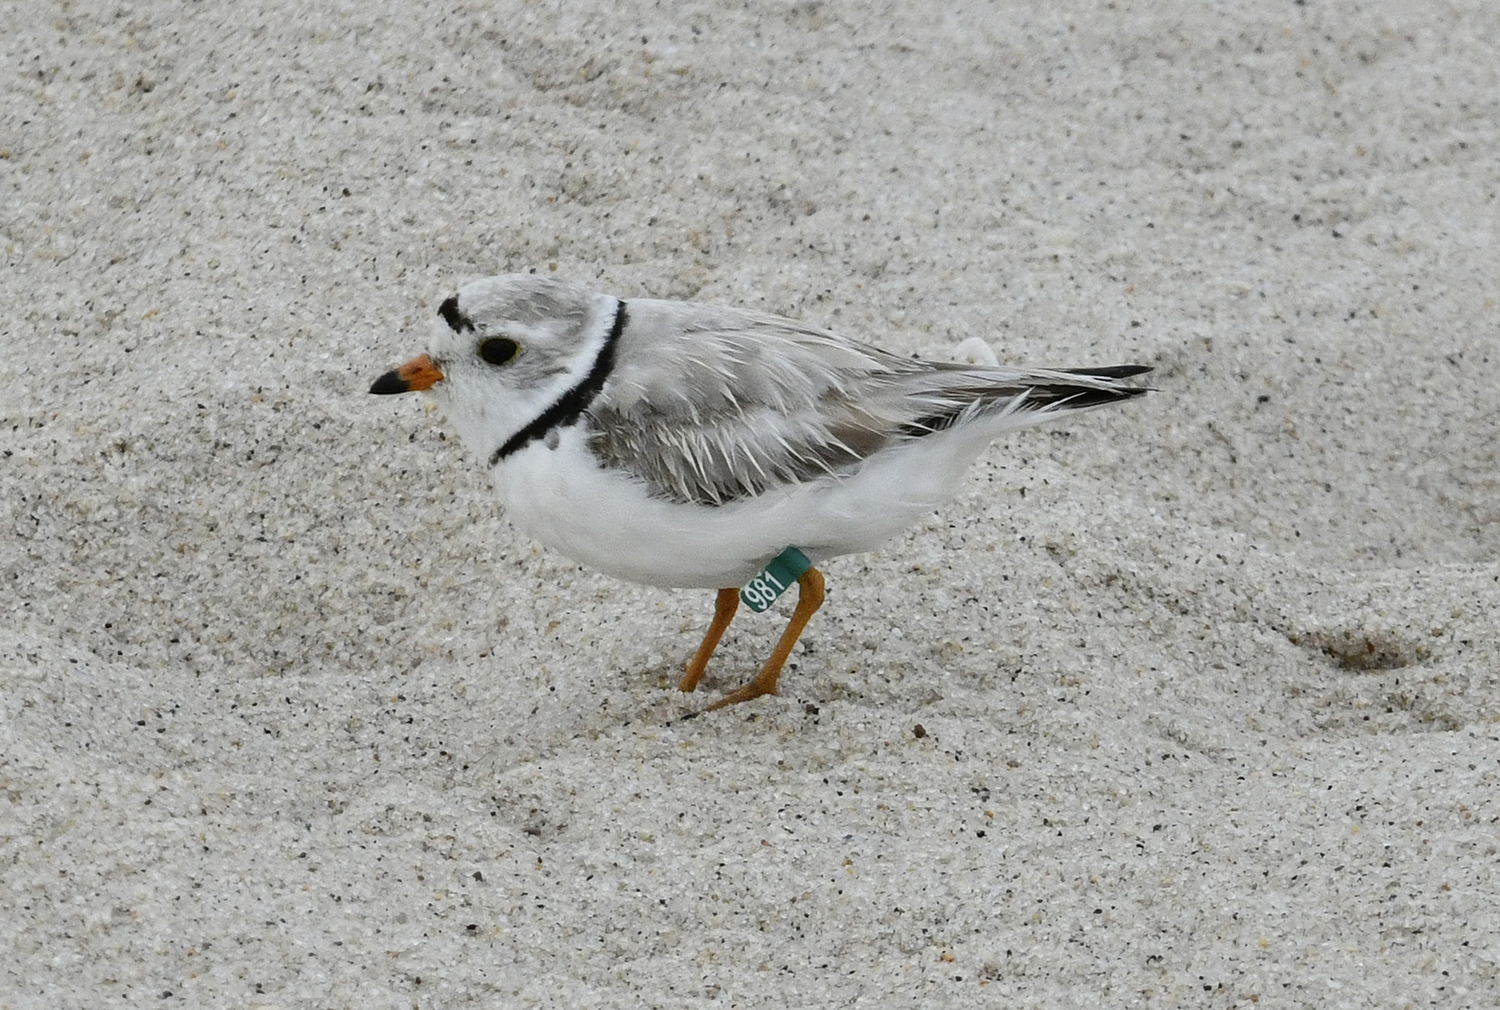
724, 607
809, 599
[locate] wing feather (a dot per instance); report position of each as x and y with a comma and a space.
709, 405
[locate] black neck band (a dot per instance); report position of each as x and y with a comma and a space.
571, 405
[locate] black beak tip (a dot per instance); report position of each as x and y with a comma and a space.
389, 383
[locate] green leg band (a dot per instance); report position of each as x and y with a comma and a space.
775, 579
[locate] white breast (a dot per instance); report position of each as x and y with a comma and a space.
604, 518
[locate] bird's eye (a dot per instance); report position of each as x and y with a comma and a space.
498, 350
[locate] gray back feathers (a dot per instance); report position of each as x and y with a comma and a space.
710, 405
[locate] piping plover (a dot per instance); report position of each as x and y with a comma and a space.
688, 445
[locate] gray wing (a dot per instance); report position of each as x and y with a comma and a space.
711, 405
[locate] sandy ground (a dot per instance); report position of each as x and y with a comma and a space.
1190, 703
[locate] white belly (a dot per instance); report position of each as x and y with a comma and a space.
606, 520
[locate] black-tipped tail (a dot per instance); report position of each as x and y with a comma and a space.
1110, 371
1068, 396
1064, 396
1040, 393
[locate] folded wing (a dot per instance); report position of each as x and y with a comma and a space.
713, 405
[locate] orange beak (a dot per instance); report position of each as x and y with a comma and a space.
418, 373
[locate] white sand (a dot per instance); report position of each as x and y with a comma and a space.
1209, 683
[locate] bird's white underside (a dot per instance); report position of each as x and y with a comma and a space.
606, 519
